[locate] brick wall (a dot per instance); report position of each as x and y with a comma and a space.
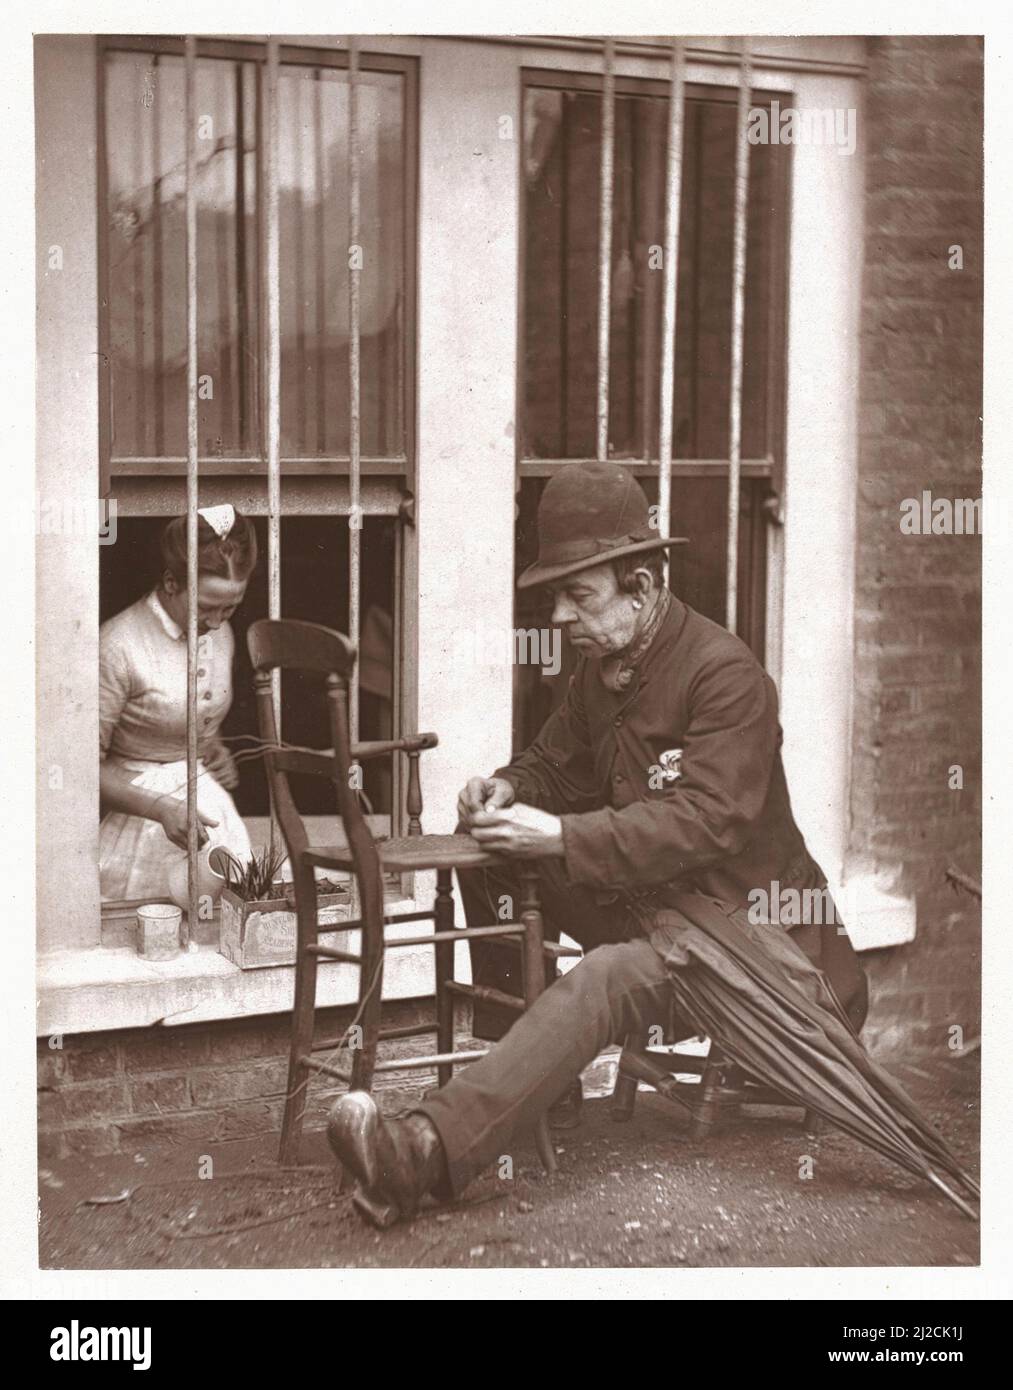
918, 653
102, 1093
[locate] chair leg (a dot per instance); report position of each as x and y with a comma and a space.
303, 1009
624, 1092
370, 1001
370, 990
534, 984
443, 952
716, 1100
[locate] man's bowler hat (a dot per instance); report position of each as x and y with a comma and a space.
591, 513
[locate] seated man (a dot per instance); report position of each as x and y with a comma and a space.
660, 774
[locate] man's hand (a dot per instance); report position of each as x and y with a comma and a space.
483, 794
523, 832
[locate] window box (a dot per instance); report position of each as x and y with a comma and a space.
262, 933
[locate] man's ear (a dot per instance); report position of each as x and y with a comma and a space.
645, 583
169, 583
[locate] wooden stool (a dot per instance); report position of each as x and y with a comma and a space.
711, 1102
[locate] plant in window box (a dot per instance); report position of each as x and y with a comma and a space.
258, 917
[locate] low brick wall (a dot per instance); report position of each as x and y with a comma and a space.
922, 992
102, 1093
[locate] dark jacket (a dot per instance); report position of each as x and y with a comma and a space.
676, 780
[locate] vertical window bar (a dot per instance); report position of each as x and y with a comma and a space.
605, 199
299, 258
738, 329
273, 291
191, 489
673, 195
320, 191
242, 317
158, 292
354, 420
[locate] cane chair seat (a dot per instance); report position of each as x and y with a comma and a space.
406, 853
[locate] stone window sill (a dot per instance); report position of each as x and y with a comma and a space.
111, 987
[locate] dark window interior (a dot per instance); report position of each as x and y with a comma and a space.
314, 587
562, 152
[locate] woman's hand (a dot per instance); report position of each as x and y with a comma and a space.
221, 765
172, 816
522, 832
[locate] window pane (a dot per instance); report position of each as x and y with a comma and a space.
315, 262
146, 248
562, 151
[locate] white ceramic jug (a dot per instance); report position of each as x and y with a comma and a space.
210, 875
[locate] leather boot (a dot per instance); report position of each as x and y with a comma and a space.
396, 1162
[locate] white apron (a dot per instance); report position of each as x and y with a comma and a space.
135, 854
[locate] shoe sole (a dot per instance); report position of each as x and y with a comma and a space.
380, 1213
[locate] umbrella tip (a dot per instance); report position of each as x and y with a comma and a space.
937, 1181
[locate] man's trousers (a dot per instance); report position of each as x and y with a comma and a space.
621, 986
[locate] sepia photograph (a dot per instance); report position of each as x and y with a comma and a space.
508, 651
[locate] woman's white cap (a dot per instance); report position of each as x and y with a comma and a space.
220, 519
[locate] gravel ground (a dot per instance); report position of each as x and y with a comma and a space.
637, 1195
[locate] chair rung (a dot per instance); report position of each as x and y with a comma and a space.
671, 1061
457, 934
326, 1068
354, 923
315, 948
486, 995
409, 1030
646, 1067
404, 1030
553, 948
433, 1060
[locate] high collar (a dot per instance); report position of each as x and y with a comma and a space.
667, 634
169, 625
638, 659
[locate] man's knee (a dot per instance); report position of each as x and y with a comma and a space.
616, 968
622, 986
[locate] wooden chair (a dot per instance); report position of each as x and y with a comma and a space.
298, 646
712, 1101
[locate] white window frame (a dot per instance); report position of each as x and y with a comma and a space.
468, 288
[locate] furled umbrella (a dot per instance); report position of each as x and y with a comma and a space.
753, 991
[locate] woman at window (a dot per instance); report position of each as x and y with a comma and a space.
142, 710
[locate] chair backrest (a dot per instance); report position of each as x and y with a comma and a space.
288, 645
